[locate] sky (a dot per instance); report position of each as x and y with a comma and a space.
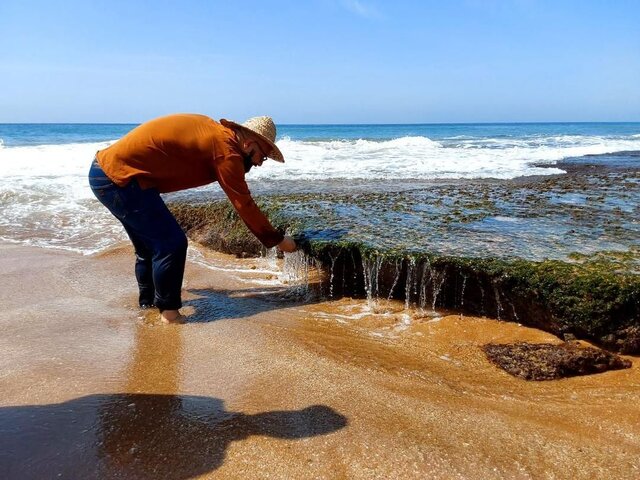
320, 61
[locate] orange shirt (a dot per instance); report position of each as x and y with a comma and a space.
182, 151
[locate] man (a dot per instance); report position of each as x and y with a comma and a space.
173, 153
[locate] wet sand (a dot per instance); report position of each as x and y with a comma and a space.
260, 385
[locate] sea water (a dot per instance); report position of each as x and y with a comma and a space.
45, 199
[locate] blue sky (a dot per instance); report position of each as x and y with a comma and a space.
320, 61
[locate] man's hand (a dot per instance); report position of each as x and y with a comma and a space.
287, 244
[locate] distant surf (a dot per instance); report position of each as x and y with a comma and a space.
45, 199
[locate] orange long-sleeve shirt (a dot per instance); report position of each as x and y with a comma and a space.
182, 151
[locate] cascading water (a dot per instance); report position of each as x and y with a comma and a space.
496, 292
396, 277
411, 266
464, 285
331, 274
422, 299
371, 271
295, 271
438, 280
271, 257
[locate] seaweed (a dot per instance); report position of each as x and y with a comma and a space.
547, 361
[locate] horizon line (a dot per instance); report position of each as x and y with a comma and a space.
354, 124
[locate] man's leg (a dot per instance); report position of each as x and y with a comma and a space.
169, 249
143, 270
110, 195
151, 225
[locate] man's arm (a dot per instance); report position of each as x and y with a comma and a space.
229, 172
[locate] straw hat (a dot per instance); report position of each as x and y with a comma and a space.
264, 129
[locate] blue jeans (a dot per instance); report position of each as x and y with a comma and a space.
159, 242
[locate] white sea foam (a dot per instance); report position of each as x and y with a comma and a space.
422, 158
45, 198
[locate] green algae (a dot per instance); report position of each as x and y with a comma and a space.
588, 300
544, 361
508, 219
217, 226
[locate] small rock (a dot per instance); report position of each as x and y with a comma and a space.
546, 361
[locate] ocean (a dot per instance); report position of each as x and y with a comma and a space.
45, 199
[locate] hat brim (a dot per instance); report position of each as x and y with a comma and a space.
272, 148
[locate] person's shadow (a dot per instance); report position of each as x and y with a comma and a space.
141, 436
210, 305
153, 435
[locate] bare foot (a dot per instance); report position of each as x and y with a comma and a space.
172, 316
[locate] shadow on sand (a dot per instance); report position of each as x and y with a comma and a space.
158, 434
142, 436
210, 305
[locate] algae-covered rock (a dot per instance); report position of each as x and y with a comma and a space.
217, 226
546, 361
594, 297
589, 301
593, 301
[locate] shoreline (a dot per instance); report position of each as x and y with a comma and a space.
259, 384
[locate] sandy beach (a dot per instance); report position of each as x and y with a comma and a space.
260, 385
